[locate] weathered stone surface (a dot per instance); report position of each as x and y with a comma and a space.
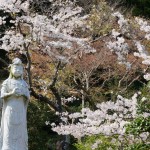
15, 97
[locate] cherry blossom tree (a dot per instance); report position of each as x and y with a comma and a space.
112, 118
49, 34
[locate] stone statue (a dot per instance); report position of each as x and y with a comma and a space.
15, 96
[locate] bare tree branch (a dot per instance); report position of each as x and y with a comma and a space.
44, 99
4, 62
52, 84
28, 68
54, 89
127, 72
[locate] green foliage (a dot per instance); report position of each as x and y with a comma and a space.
39, 133
138, 126
100, 19
140, 7
136, 7
144, 101
104, 143
139, 146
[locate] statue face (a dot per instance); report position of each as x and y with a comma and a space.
17, 70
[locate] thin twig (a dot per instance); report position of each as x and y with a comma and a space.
3, 61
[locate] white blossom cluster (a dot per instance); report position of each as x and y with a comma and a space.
47, 123
140, 47
142, 53
110, 118
69, 99
147, 77
12, 41
14, 6
44, 30
120, 47
68, 18
95, 145
144, 135
144, 27
2, 20
123, 23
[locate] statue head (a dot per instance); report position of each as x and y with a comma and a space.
16, 69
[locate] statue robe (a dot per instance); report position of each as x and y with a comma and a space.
13, 131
